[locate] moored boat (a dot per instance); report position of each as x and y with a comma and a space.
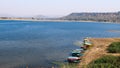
77, 52
72, 59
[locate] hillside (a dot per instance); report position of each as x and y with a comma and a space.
100, 17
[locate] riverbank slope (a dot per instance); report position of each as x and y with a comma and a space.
98, 50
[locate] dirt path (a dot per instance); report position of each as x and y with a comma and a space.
98, 50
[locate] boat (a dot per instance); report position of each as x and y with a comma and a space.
77, 52
72, 59
86, 44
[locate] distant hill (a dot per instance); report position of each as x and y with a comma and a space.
40, 16
100, 17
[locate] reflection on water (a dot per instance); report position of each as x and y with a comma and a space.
39, 44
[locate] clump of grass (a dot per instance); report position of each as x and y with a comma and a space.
107, 65
105, 62
69, 65
65, 65
114, 47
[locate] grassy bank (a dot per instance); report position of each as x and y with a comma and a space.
108, 61
98, 52
114, 47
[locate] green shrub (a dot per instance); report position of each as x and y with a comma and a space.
105, 62
100, 65
106, 59
114, 47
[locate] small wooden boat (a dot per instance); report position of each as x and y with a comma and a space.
87, 43
77, 52
72, 59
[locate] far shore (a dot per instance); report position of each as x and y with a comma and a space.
58, 21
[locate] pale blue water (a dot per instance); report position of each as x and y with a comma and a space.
40, 43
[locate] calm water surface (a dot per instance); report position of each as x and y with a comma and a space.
39, 44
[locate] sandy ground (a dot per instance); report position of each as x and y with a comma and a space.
98, 50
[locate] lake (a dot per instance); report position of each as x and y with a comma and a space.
40, 44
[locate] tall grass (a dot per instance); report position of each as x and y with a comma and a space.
114, 47
105, 62
66, 65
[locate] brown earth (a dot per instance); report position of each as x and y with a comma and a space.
99, 49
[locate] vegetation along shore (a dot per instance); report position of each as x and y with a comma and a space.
101, 50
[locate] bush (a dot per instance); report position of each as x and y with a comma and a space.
114, 47
105, 62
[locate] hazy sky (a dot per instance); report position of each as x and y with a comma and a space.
56, 7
